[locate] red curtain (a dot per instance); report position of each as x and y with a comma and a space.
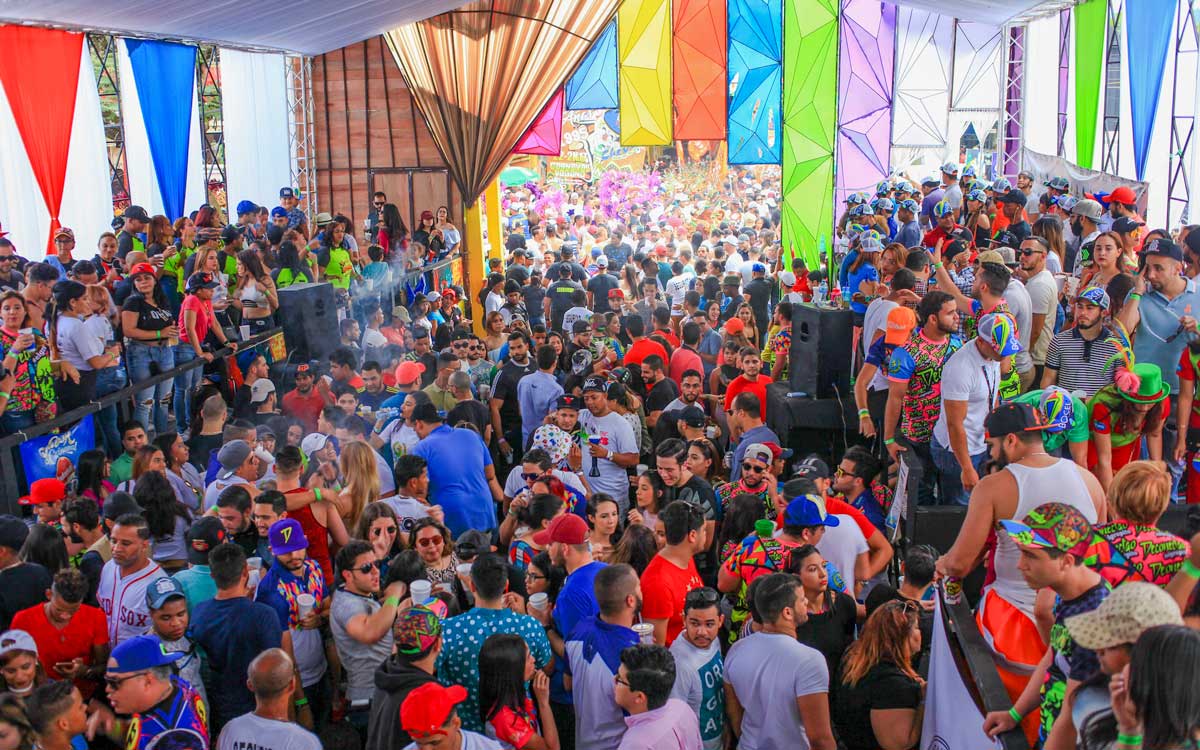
39, 69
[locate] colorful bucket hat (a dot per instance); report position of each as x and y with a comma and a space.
1052, 526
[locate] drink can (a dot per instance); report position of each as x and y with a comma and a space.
953, 589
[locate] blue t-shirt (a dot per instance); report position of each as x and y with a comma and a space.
576, 601
232, 632
457, 460
710, 343
871, 508
865, 272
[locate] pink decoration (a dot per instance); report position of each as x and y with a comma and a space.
544, 137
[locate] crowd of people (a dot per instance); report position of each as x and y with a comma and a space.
548, 510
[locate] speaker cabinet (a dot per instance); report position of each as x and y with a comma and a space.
309, 316
820, 358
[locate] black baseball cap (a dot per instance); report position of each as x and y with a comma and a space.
954, 248
1125, 225
1015, 196
568, 402
595, 383
1163, 246
580, 326
205, 533
812, 467
692, 416
1011, 418
1006, 239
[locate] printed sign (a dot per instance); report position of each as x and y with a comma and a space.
40, 456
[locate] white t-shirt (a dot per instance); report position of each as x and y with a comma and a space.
968, 377
218, 486
77, 344
733, 262
768, 672
876, 319
677, 289
841, 545
407, 507
124, 600
253, 731
572, 315
400, 437
1043, 296
493, 302
387, 477
1022, 309
613, 479
699, 684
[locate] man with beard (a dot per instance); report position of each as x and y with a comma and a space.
240, 464
1085, 218
1029, 476
755, 479
1081, 358
1161, 311
125, 578
699, 666
504, 404
304, 402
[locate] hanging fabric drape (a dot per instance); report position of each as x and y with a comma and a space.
593, 85
644, 51
165, 76
480, 75
698, 64
254, 106
755, 70
1148, 26
39, 69
1088, 29
544, 137
867, 60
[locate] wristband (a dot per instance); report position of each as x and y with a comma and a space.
862, 413
1191, 570
5, 396
392, 601
317, 493
1133, 740
300, 703
889, 441
1016, 715
1133, 296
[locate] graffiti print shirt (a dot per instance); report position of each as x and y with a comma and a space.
919, 363
1071, 661
1124, 551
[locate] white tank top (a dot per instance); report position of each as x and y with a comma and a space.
1059, 482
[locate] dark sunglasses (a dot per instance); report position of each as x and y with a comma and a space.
530, 477
366, 569
701, 598
747, 466
433, 541
115, 683
381, 530
1027, 253
378, 205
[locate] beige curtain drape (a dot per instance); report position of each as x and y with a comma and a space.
481, 74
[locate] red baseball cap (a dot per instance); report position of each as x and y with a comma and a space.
425, 711
141, 268
408, 372
1123, 195
565, 529
734, 326
48, 490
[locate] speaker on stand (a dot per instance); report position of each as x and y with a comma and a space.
822, 338
308, 314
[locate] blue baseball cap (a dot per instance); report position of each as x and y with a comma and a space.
977, 195
884, 204
140, 653
942, 208
904, 186
287, 192
969, 171
278, 211
286, 535
162, 590
247, 207
758, 268
808, 510
908, 204
1001, 185
883, 188
1000, 330
1096, 296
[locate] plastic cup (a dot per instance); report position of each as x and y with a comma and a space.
255, 563
244, 331
305, 602
645, 633
420, 591
641, 469
539, 601
463, 570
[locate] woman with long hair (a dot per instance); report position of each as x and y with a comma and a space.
891, 260
16, 732
424, 226
604, 519
393, 234
744, 509
636, 548
451, 237
494, 336
648, 497
625, 402
831, 614
91, 476
255, 292
976, 218
544, 577
1155, 697
1134, 406
292, 270
379, 527
432, 542
197, 321
180, 471
334, 258
574, 501
168, 519
360, 475
111, 378
533, 516
185, 244
878, 702
148, 324
704, 461
45, 546
862, 275
1107, 262
506, 668
1051, 230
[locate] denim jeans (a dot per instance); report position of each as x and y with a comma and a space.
12, 422
950, 480
139, 357
185, 384
109, 380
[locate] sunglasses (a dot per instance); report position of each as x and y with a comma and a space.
366, 569
747, 466
378, 205
1027, 253
115, 683
381, 530
529, 477
702, 598
433, 541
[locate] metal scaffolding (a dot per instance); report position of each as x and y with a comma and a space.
1110, 135
300, 130
1012, 114
1183, 118
102, 49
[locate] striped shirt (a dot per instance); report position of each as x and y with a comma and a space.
1082, 365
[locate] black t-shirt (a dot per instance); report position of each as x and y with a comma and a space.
664, 392
518, 272
600, 285
504, 387
533, 295
561, 293
201, 446
13, 281
760, 295
150, 317
471, 411
242, 408
578, 272
429, 359
884, 687
831, 632
126, 243
697, 492
21, 587
1020, 229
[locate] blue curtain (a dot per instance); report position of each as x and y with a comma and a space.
165, 75
1148, 26
594, 83
755, 81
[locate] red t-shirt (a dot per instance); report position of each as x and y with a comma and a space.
664, 587
305, 408
514, 727
316, 534
87, 629
757, 387
682, 360
203, 310
937, 233
670, 336
642, 349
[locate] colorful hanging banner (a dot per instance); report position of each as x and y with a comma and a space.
868, 46
755, 81
544, 137
644, 50
699, 69
165, 76
594, 84
1147, 38
41, 455
810, 85
1088, 30
39, 69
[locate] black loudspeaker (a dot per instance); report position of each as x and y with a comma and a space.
820, 359
309, 316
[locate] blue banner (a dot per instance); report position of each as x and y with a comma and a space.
40, 456
1147, 38
165, 75
594, 83
755, 81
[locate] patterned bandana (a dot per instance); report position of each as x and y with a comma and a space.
416, 631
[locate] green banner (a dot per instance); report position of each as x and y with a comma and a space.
1090, 20
810, 84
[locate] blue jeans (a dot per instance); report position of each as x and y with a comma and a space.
139, 357
185, 384
110, 380
12, 422
951, 473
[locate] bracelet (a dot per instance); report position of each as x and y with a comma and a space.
1133, 297
1015, 714
1132, 740
889, 441
5, 396
392, 601
300, 703
158, 335
862, 413
936, 266
1190, 569
317, 493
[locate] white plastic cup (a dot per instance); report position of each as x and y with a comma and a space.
305, 602
252, 583
420, 591
244, 330
641, 469
645, 633
255, 563
463, 570
539, 601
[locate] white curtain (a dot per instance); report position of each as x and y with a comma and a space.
1040, 128
87, 192
254, 102
143, 183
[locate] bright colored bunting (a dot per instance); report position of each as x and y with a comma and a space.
165, 75
1089, 59
699, 69
544, 137
1147, 38
594, 84
644, 51
755, 85
810, 85
868, 44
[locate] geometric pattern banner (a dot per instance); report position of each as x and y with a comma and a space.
594, 84
755, 86
544, 137
867, 41
1089, 20
699, 69
1147, 37
924, 51
644, 51
810, 87
975, 94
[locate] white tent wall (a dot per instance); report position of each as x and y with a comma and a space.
254, 104
921, 97
1039, 127
143, 183
87, 190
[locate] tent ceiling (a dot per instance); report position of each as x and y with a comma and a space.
995, 12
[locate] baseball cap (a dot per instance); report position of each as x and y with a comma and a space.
231, 456
416, 631
616, 294
602, 261
990, 256
901, 321
1088, 208
471, 543
931, 181
142, 268
977, 195
811, 467
883, 187
1052, 526
137, 213
261, 390
65, 232
427, 413
567, 402
856, 199
205, 533
595, 383
1058, 183
433, 297
287, 192
1123, 195
758, 452
247, 207
692, 416
884, 204
48, 490
1096, 296
427, 708
969, 171
565, 529
16, 640
1125, 225
202, 280
1001, 185
808, 510
408, 373
163, 589
950, 168
1066, 202
1128, 611
580, 326
286, 535
117, 505
778, 451
231, 232
278, 211
954, 248
139, 654
1057, 408
942, 208
13, 531
1015, 196
757, 268
1163, 246
1000, 330
1006, 241
315, 442
1012, 418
